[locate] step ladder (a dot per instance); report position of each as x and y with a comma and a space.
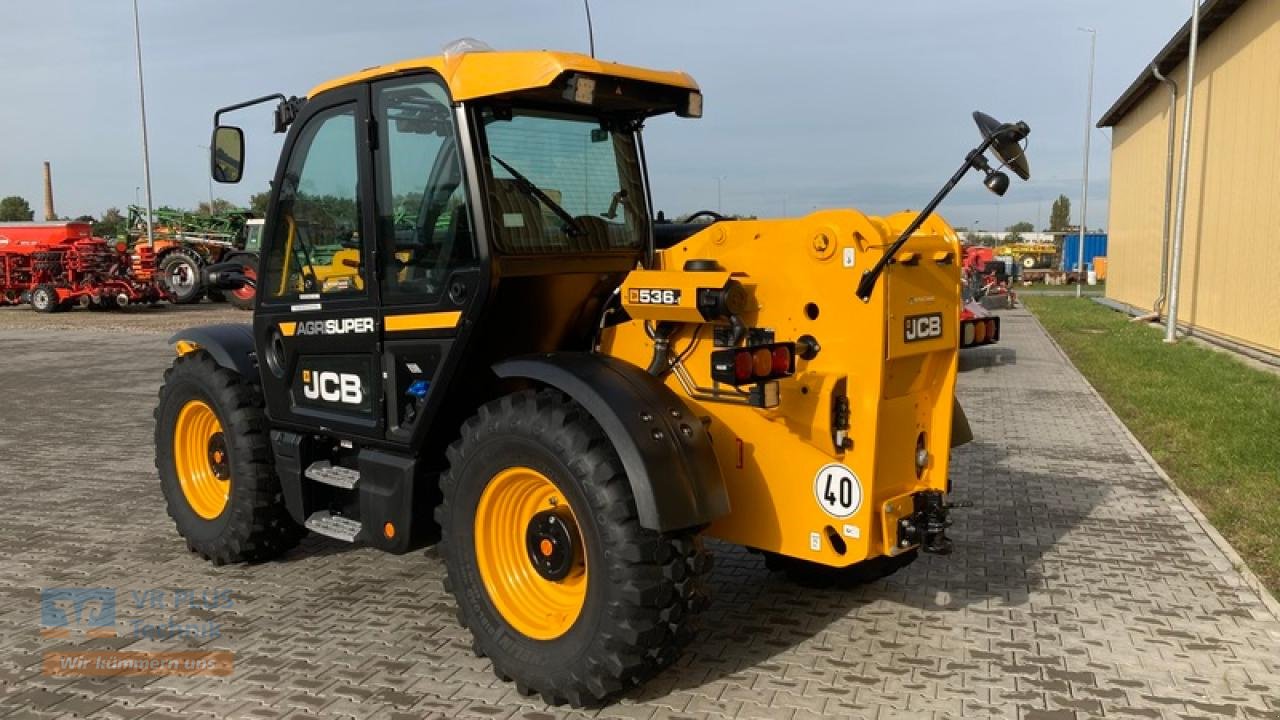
334, 526
326, 472
324, 522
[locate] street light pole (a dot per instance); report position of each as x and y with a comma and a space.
142, 106
1088, 134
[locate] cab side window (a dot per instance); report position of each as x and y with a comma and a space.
423, 215
318, 249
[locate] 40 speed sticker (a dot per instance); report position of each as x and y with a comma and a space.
838, 490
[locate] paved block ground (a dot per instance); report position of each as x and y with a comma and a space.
1080, 586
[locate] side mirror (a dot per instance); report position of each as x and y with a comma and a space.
225, 276
226, 161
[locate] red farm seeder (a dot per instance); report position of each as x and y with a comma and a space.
54, 265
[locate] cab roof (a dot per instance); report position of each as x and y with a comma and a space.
481, 74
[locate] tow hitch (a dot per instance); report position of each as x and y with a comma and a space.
927, 525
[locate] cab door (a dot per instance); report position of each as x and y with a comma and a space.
317, 320
430, 274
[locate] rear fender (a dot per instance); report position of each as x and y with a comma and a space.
960, 430
230, 344
664, 447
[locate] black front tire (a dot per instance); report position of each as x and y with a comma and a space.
643, 587
254, 525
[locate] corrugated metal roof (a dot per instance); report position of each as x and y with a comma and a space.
1212, 14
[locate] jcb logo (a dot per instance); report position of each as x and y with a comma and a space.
654, 296
923, 327
332, 387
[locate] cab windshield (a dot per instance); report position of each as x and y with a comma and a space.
560, 183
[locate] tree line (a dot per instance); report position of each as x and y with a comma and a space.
113, 222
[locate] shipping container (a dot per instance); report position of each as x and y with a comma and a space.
1095, 244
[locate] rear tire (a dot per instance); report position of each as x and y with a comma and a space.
180, 276
227, 503
44, 298
813, 575
631, 614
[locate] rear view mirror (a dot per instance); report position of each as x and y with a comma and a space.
226, 160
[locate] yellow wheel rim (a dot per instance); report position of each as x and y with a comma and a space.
200, 458
541, 608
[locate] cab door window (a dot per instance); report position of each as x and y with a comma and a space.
423, 216
318, 249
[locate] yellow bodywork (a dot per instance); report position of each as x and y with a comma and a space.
800, 276
483, 74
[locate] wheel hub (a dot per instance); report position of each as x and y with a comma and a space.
218, 457
530, 553
200, 459
549, 539
182, 277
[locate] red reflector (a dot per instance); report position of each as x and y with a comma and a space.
742, 366
991, 330
781, 360
762, 361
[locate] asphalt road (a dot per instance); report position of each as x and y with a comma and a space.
1081, 585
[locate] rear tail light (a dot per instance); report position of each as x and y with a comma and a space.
783, 359
756, 364
979, 331
743, 368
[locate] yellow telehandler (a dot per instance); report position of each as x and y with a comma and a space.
469, 330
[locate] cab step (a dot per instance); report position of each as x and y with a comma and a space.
334, 526
335, 475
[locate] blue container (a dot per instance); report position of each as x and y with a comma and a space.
1095, 245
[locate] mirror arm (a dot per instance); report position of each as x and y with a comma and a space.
286, 110
974, 159
217, 115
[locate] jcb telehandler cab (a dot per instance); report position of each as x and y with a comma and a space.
461, 310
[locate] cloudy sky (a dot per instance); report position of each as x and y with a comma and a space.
808, 104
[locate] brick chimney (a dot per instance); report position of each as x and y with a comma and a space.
48, 193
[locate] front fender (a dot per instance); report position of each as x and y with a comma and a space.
230, 344
664, 447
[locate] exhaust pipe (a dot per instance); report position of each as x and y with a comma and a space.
122, 300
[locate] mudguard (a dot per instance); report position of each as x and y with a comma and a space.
960, 430
664, 447
230, 344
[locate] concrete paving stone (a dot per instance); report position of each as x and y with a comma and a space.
1081, 585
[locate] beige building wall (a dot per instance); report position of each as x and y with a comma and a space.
1231, 250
